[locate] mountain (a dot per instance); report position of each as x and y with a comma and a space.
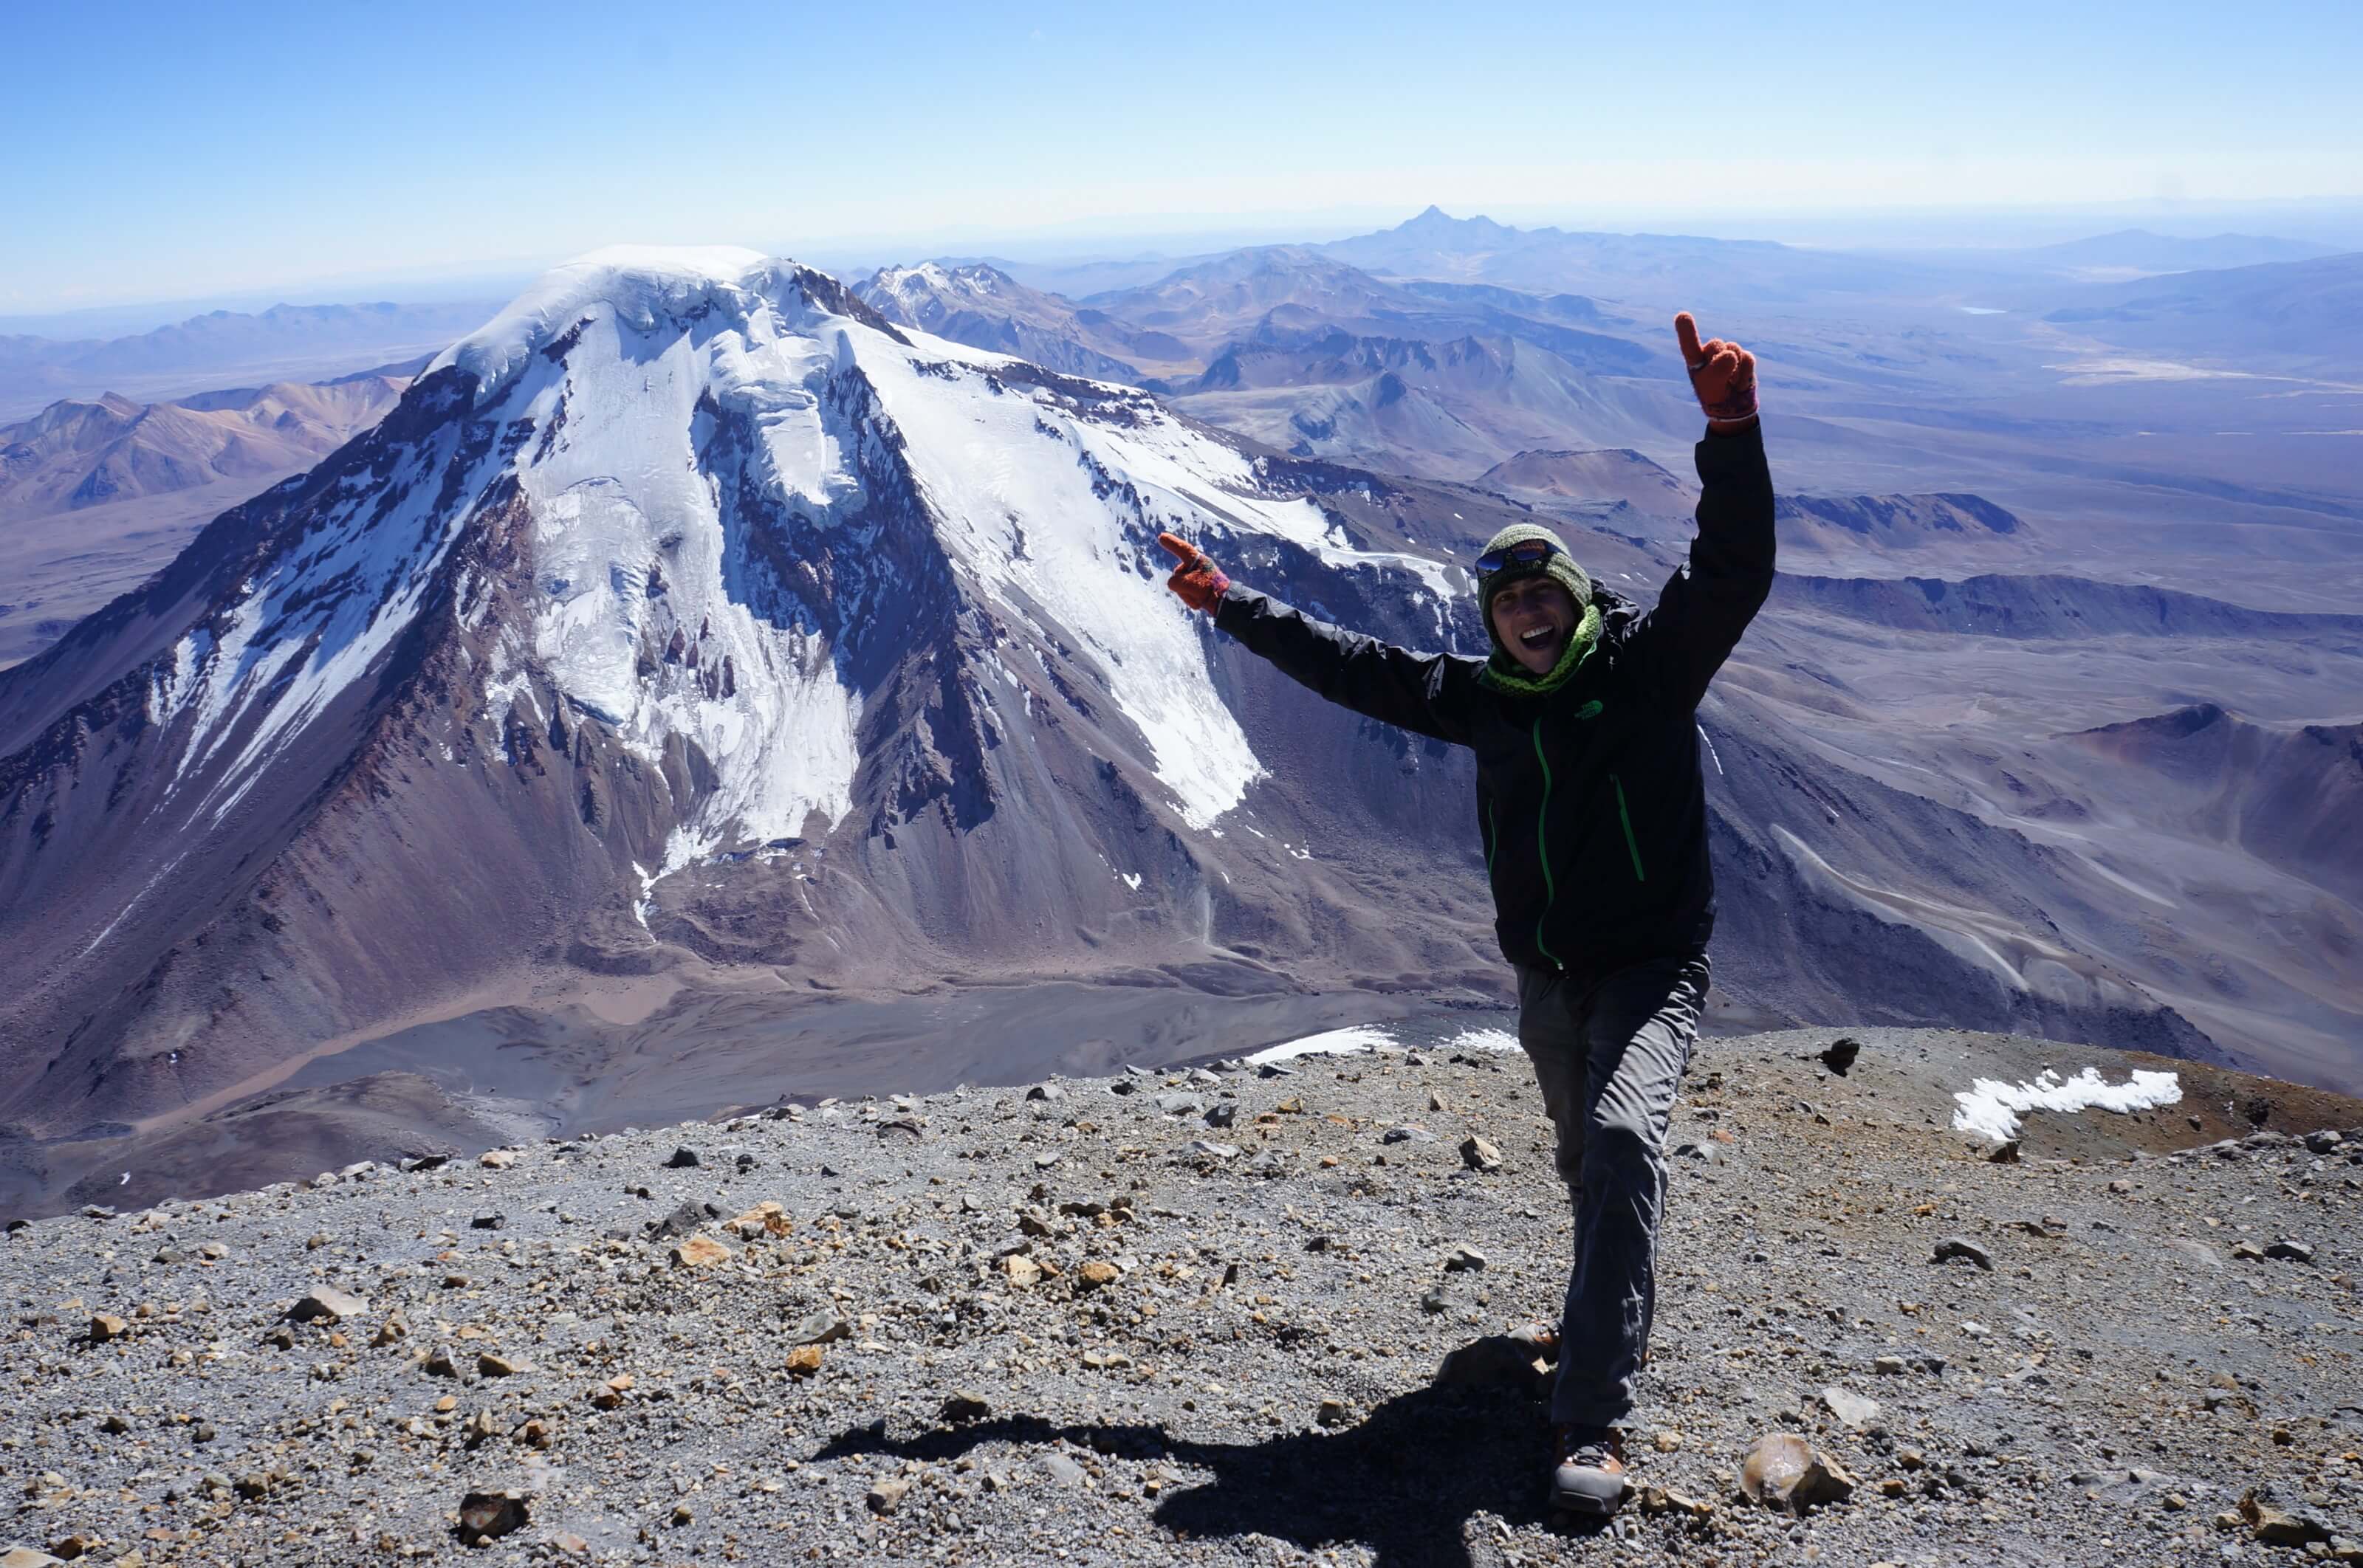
1715, 273
95, 497
2128, 251
2288, 795
1446, 407
2286, 313
76, 455
226, 348
1616, 473
684, 563
2040, 607
986, 308
696, 679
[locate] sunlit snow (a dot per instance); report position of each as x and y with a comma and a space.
1991, 1107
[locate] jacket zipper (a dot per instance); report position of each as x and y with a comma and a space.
1542, 849
1492, 840
1632, 844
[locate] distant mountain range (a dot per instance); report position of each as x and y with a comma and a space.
226, 347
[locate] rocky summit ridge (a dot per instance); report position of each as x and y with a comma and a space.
1230, 1313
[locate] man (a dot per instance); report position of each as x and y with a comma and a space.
1592, 811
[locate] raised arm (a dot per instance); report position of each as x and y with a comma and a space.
1422, 693
1709, 602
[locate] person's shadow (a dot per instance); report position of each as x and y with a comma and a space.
1403, 1482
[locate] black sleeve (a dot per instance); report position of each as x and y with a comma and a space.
1707, 604
1423, 692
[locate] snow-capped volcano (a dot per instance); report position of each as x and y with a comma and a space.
687, 560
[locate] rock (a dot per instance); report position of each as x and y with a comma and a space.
488, 1516
609, 1396
744, 1163
1213, 1150
1463, 1259
1495, 1361
698, 1252
2247, 1252
1096, 1273
803, 1361
25, 1557
1480, 1156
1180, 1104
1021, 1271
489, 1221
822, 1328
2004, 1152
391, 1330
899, 1127
1848, 1407
1407, 1133
683, 1158
2274, 1521
1123, 1086
1839, 1054
1047, 1091
884, 1497
1222, 1113
965, 1405
1666, 1441
497, 1159
2291, 1252
2323, 1142
327, 1304
1783, 1471
491, 1365
438, 1363
1106, 1360
1059, 1468
1330, 1412
1963, 1247
682, 1221
1888, 1366
105, 1326
765, 1218
1663, 1500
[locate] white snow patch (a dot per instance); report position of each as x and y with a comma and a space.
1991, 1107
1482, 1040
1347, 1041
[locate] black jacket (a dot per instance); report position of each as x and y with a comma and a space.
1590, 798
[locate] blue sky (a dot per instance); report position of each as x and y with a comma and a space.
169, 151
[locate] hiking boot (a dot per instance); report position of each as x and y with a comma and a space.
1590, 1478
1543, 1342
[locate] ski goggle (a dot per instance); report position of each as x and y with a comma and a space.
1525, 552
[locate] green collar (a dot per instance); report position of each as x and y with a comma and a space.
1506, 674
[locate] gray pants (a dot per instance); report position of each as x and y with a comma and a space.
1610, 1060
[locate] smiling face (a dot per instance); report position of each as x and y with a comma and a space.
1533, 617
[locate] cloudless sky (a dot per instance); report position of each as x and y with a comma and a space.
171, 151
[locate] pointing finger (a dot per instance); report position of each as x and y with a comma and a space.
1180, 549
1686, 337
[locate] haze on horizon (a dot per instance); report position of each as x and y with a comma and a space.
291, 148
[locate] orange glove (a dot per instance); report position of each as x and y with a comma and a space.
1721, 374
1198, 580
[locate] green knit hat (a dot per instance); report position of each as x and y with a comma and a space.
1558, 566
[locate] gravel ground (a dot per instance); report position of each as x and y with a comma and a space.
1086, 1323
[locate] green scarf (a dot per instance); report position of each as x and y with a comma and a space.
1503, 673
